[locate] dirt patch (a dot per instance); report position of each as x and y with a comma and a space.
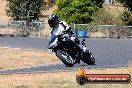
97, 35
3, 7
59, 79
20, 57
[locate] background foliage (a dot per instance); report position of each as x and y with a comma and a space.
108, 17
78, 11
127, 15
26, 10
127, 18
127, 3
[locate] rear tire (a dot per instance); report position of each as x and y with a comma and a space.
88, 58
68, 62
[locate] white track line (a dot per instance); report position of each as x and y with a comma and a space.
22, 49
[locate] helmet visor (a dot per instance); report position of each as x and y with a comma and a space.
52, 23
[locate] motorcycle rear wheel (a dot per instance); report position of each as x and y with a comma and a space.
88, 58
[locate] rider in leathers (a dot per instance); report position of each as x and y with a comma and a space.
57, 28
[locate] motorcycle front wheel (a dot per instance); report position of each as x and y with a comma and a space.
65, 58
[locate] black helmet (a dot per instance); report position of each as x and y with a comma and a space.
53, 20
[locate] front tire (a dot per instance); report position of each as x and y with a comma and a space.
88, 58
65, 58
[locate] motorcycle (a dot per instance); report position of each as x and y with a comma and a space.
70, 53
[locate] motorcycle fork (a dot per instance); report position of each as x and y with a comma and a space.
78, 53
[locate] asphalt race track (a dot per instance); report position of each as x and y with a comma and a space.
107, 52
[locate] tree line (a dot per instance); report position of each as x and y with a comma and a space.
72, 11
